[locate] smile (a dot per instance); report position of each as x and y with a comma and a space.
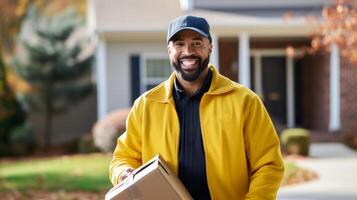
188, 64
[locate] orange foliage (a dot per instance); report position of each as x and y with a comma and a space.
339, 25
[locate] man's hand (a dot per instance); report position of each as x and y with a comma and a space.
127, 173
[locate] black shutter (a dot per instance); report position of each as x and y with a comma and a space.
135, 76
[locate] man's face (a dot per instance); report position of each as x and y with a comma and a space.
189, 54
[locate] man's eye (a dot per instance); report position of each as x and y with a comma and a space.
179, 44
197, 44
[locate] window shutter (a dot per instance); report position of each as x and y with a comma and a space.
135, 76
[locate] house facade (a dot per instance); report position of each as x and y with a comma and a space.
250, 40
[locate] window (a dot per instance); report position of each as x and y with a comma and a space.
155, 69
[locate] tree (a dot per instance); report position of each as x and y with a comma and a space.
11, 115
55, 64
339, 25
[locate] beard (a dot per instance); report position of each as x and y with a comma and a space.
202, 65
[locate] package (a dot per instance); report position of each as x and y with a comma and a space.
152, 181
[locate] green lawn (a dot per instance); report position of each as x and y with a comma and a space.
71, 173
83, 173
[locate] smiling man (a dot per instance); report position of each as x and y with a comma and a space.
215, 134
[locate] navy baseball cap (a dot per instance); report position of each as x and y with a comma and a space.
197, 24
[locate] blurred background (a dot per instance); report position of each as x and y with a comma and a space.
70, 71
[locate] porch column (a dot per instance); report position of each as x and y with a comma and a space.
290, 92
186, 5
335, 115
215, 52
91, 22
244, 60
101, 68
258, 77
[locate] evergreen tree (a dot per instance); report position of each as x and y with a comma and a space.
54, 64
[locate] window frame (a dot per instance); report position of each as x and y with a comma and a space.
145, 81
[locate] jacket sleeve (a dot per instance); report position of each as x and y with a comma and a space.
127, 153
266, 167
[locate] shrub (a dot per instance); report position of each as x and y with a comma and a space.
106, 131
21, 141
85, 144
296, 141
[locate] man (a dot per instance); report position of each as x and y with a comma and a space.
215, 134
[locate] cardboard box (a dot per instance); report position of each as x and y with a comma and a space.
152, 181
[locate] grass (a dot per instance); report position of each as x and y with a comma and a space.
85, 173
71, 173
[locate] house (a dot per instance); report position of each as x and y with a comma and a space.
250, 38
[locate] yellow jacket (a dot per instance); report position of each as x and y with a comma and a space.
242, 151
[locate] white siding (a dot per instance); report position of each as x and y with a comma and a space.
119, 78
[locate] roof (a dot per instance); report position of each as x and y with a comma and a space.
143, 19
254, 4
135, 15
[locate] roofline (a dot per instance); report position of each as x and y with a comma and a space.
276, 30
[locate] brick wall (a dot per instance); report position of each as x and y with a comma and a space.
314, 80
315, 91
348, 95
271, 43
316, 97
228, 57
228, 51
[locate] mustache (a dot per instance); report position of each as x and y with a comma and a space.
189, 57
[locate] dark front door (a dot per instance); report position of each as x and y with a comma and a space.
274, 88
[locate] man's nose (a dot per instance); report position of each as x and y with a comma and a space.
188, 49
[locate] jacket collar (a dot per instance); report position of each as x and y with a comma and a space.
163, 93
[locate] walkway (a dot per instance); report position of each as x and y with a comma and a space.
336, 166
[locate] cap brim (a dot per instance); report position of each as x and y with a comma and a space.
188, 28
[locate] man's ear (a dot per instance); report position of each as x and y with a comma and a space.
168, 49
210, 48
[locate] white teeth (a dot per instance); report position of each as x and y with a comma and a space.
188, 62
